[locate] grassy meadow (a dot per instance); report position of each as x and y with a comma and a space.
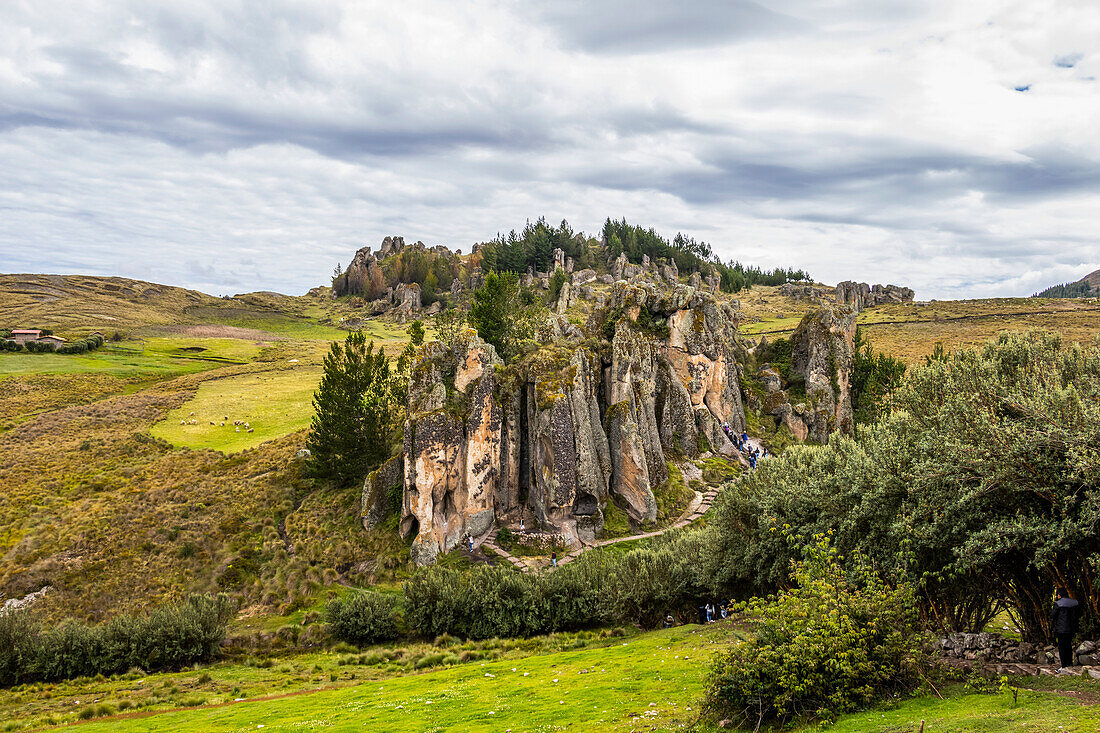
272, 403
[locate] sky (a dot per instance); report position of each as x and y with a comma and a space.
240, 145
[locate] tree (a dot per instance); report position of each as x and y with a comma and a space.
498, 313
874, 377
352, 427
448, 324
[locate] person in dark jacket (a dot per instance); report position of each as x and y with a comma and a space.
1063, 623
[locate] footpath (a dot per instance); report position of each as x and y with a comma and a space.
699, 506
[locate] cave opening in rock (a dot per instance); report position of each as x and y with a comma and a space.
524, 450
447, 507
410, 527
585, 505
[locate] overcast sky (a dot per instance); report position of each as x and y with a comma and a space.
237, 145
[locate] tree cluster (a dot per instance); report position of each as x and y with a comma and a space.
689, 256
503, 313
534, 247
984, 485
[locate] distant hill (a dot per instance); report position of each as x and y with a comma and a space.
1086, 287
74, 305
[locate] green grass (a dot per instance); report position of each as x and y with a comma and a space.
963, 713
116, 362
274, 403
654, 679
771, 326
582, 681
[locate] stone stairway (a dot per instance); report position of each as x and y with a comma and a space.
699, 506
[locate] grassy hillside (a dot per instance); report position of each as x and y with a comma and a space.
75, 305
910, 331
115, 504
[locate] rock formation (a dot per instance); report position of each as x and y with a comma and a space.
571, 426
817, 399
861, 295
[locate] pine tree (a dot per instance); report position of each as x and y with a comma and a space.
352, 425
495, 312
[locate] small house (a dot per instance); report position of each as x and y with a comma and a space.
54, 341
23, 335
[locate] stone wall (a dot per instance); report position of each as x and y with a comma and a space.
1001, 649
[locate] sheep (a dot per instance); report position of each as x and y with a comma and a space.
237, 430
250, 430
221, 425
183, 422
192, 414
211, 422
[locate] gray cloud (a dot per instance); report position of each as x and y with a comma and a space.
626, 26
211, 143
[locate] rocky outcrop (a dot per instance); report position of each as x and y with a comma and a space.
861, 295
812, 399
802, 291
380, 487
452, 448
571, 426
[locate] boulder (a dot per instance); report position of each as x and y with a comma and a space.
558, 261
582, 277
821, 355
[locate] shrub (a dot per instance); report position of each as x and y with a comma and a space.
170, 637
363, 618
829, 645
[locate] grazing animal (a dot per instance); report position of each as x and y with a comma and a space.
238, 430
250, 430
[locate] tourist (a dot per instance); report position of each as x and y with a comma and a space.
470, 542
521, 527
1063, 624
669, 621
554, 558
744, 437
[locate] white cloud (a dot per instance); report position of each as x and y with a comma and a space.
241, 145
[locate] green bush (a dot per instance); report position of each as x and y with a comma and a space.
169, 638
363, 618
830, 644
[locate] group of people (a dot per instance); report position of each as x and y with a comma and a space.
711, 612
741, 442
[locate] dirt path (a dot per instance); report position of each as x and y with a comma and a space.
699, 506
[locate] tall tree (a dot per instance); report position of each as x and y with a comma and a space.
352, 427
498, 313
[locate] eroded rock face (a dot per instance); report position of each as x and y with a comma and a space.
560, 431
861, 295
452, 446
821, 354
